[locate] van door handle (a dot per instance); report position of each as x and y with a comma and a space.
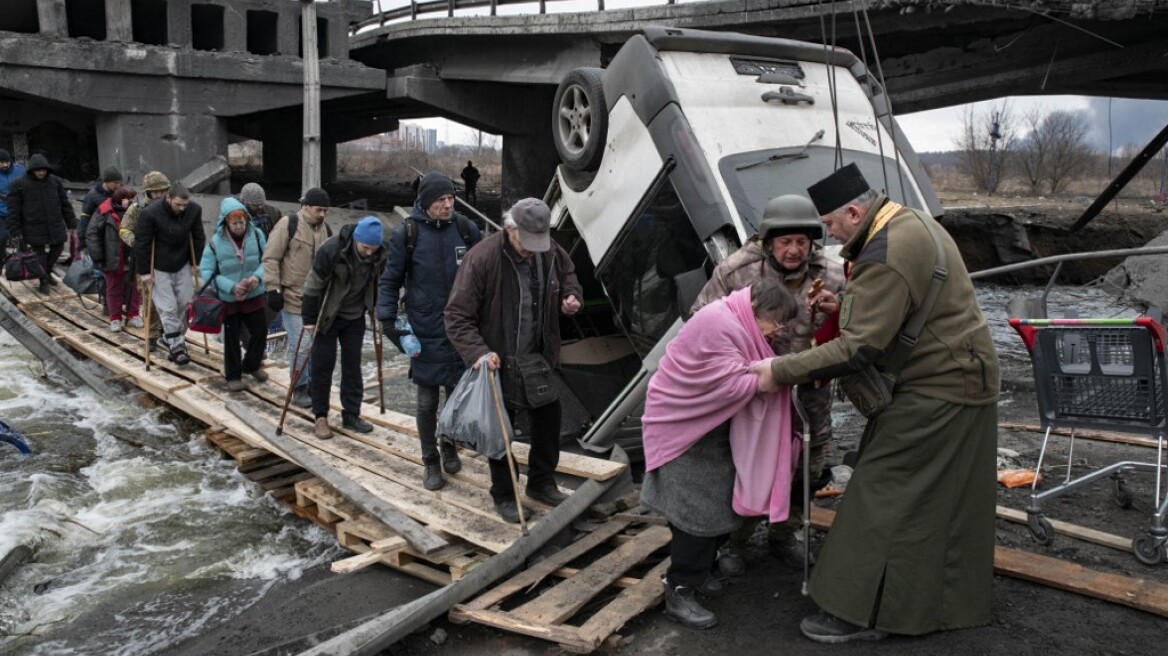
787, 96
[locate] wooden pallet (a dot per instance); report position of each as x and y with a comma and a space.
359, 533
562, 612
272, 473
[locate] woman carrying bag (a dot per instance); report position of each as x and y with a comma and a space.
114, 260
232, 265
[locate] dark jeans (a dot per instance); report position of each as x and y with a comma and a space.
349, 333
544, 457
49, 254
257, 341
691, 557
428, 419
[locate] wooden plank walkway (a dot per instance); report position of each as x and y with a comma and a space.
385, 462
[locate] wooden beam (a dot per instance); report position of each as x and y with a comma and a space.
416, 534
1073, 530
1100, 436
44, 347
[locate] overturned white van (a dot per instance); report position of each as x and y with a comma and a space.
669, 156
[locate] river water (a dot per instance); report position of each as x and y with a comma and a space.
140, 548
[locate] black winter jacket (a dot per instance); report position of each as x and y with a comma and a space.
39, 210
171, 235
328, 280
438, 251
89, 208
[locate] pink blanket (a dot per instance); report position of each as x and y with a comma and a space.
705, 379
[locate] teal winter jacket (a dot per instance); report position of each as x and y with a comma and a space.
222, 259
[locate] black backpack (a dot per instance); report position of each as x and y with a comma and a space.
464, 231
294, 223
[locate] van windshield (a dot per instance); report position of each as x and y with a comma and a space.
755, 177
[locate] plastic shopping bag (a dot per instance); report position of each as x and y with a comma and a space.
83, 278
470, 417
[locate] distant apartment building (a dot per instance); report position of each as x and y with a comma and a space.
410, 136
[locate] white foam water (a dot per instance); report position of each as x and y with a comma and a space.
136, 548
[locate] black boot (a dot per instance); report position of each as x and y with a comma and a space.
432, 479
681, 606
451, 463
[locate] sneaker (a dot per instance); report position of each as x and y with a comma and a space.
508, 511
116, 326
681, 606
831, 630
432, 478
322, 430
549, 495
136, 322
356, 423
301, 398
235, 385
259, 374
179, 356
451, 463
731, 563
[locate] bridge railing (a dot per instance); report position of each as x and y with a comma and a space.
415, 9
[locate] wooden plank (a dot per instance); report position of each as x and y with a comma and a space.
567, 636
1142, 594
34, 338
545, 567
628, 604
1101, 436
1073, 530
284, 481
273, 470
409, 529
361, 561
563, 600
622, 582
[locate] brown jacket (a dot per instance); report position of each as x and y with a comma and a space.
474, 312
287, 262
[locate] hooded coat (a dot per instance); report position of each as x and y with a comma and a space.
438, 252
107, 250
39, 210
14, 172
228, 263
90, 206
328, 280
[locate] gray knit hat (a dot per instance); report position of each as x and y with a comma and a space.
111, 174
252, 195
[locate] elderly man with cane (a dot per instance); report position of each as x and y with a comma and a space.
506, 304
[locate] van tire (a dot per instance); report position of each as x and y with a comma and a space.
580, 119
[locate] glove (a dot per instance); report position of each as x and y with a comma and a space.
275, 301
391, 333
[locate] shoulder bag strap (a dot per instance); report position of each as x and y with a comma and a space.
915, 323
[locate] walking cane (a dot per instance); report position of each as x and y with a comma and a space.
195, 282
507, 444
296, 371
148, 292
377, 350
806, 490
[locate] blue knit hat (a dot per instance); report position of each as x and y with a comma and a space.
369, 231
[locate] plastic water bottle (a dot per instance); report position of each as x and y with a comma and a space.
409, 341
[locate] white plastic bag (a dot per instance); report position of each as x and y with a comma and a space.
470, 417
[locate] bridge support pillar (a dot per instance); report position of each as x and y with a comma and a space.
52, 18
175, 144
529, 161
283, 149
118, 25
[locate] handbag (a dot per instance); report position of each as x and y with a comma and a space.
83, 278
23, 265
527, 381
205, 311
869, 390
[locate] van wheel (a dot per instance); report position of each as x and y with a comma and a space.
580, 119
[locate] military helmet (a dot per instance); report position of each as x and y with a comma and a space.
155, 181
790, 213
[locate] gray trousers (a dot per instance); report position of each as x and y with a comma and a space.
172, 292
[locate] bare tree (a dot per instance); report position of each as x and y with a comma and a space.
986, 144
1068, 152
1031, 154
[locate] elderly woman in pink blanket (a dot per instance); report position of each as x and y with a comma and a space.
718, 445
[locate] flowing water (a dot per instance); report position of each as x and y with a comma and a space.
136, 548
140, 548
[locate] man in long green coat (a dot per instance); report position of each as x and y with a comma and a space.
911, 549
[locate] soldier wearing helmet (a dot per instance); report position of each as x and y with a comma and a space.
788, 248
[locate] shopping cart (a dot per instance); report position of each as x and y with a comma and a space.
1106, 374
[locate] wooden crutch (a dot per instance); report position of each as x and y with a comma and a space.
148, 293
377, 350
507, 444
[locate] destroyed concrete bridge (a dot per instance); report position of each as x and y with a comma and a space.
167, 84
